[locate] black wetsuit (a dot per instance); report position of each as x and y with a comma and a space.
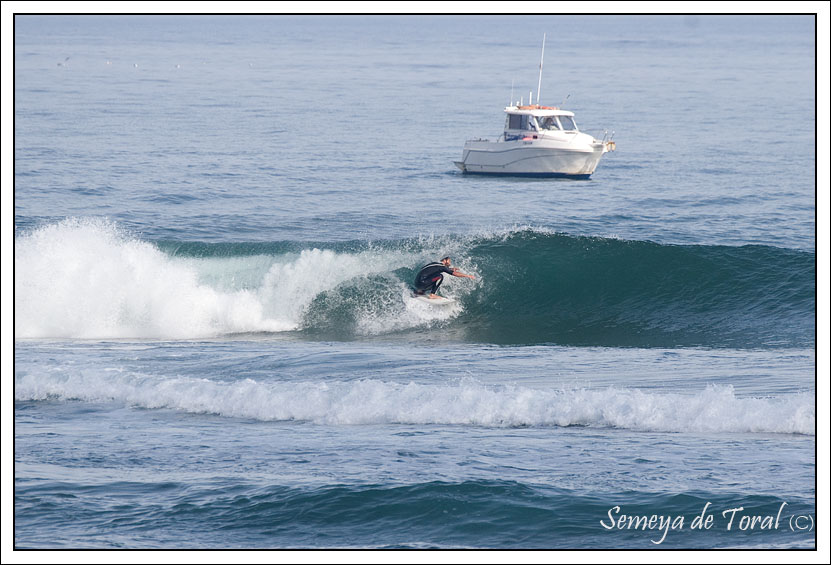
430, 278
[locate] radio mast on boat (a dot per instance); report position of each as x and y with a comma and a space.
539, 82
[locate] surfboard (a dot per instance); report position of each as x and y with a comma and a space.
440, 301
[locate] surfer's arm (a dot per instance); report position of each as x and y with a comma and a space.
458, 273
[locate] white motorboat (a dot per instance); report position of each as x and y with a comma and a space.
537, 141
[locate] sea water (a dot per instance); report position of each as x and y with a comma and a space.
217, 220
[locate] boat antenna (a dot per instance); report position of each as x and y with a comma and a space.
539, 82
511, 101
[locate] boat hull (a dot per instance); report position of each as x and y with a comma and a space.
530, 158
529, 175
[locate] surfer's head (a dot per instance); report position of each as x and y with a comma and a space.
446, 261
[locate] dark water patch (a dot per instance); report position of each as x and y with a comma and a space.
436, 514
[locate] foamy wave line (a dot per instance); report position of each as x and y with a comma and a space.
715, 409
86, 278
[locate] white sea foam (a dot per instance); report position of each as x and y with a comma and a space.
84, 278
715, 409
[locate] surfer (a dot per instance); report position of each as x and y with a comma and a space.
430, 277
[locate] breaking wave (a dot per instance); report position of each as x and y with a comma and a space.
84, 278
466, 402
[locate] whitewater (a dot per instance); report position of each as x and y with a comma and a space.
87, 279
468, 402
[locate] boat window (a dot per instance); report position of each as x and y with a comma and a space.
568, 123
521, 121
549, 123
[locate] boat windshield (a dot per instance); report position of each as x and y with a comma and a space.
568, 123
549, 123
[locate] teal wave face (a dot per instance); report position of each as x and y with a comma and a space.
596, 291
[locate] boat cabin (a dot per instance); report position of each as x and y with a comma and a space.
529, 120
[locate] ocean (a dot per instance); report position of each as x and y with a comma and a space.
217, 220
